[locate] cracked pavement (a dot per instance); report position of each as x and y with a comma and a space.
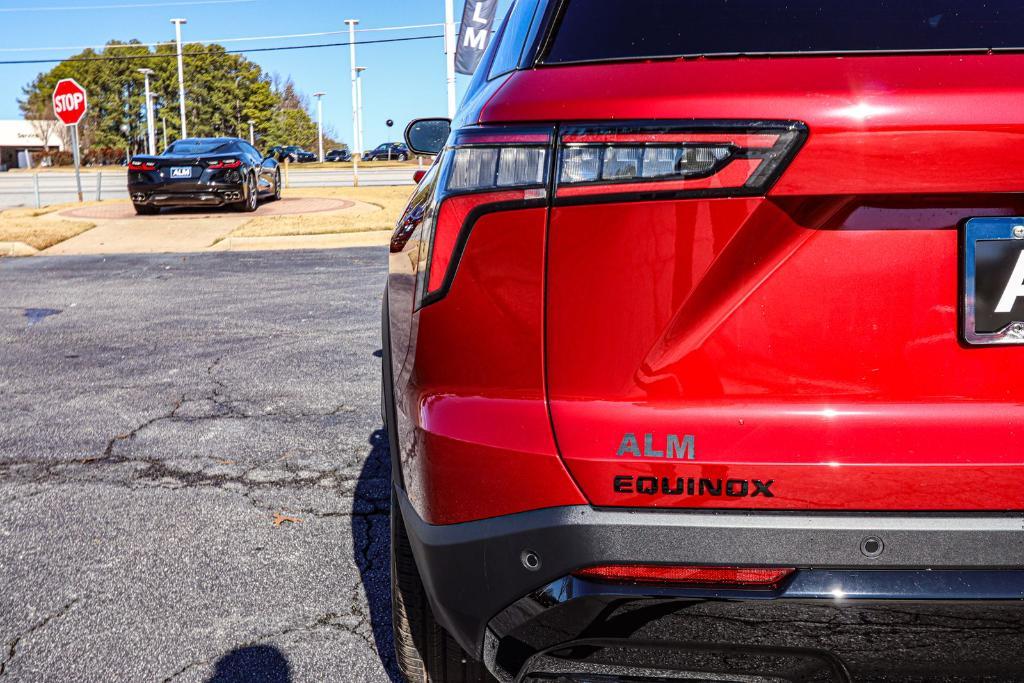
193, 472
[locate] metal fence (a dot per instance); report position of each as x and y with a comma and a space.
57, 187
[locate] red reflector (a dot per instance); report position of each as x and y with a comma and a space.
727, 577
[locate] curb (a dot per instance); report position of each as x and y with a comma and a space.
374, 238
17, 249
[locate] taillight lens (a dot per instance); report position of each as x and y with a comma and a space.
762, 578
142, 166
493, 168
501, 168
673, 160
225, 163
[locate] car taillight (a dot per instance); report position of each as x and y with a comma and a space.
763, 578
485, 169
225, 163
141, 166
502, 168
614, 162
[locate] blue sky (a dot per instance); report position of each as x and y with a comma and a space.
402, 81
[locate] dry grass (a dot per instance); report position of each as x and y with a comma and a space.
377, 208
34, 228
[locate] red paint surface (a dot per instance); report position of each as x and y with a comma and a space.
475, 398
808, 337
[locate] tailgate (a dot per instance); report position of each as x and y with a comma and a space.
799, 348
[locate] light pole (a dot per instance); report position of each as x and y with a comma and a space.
150, 123
181, 75
355, 101
449, 52
252, 132
127, 129
164, 121
320, 123
359, 104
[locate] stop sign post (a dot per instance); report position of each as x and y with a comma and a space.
70, 103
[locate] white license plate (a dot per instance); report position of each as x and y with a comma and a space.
993, 288
181, 172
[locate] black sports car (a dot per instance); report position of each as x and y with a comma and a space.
388, 151
203, 172
338, 155
292, 153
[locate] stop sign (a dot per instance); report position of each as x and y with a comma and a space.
69, 101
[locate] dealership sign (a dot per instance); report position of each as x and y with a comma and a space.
477, 20
70, 102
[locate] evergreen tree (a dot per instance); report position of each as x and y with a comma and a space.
223, 92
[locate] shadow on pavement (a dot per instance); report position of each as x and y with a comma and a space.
263, 663
371, 544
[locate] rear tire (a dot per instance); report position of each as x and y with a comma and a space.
277, 187
425, 652
251, 201
146, 210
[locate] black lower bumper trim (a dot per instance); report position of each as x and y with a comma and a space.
474, 572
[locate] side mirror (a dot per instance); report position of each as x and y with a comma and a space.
427, 136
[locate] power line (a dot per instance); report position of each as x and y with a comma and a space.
135, 5
209, 41
187, 55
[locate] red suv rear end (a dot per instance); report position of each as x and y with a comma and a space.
701, 345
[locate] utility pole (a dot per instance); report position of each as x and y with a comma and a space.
181, 75
450, 47
320, 123
150, 123
359, 104
355, 101
252, 132
164, 121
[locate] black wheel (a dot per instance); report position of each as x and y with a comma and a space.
403, 157
250, 196
277, 186
424, 651
146, 210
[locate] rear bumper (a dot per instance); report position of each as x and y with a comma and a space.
944, 598
219, 195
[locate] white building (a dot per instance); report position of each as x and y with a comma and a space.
21, 139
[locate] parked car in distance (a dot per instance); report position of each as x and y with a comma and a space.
700, 349
338, 155
203, 172
388, 151
292, 153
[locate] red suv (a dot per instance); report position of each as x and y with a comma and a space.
702, 348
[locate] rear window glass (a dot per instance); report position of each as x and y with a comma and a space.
199, 147
592, 30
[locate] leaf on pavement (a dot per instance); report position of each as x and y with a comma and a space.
281, 518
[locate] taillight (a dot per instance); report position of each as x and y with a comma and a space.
225, 163
502, 168
494, 168
623, 161
762, 578
141, 166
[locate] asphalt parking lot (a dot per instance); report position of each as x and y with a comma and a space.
193, 478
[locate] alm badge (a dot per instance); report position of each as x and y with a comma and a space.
683, 448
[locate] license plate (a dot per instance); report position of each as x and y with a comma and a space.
993, 288
181, 172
